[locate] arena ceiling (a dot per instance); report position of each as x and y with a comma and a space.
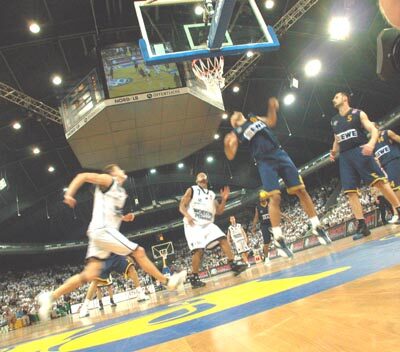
65, 45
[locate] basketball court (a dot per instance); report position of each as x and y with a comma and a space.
342, 297
338, 298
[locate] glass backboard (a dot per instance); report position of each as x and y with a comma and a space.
182, 30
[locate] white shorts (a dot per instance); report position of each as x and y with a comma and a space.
202, 236
103, 242
241, 246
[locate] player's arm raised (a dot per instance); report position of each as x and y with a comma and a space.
184, 204
272, 113
393, 136
220, 206
368, 149
102, 180
231, 144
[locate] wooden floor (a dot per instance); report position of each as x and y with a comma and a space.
345, 297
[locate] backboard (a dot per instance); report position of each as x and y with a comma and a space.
183, 30
162, 250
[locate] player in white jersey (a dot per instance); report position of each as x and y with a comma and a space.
238, 237
104, 235
199, 206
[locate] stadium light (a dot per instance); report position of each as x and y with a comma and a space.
36, 151
250, 54
210, 159
57, 80
34, 28
313, 67
216, 136
289, 99
3, 184
153, 171
181, 165
339, 28
224, 116
269, 4
198, 10
51, 169
16, 126
235, 89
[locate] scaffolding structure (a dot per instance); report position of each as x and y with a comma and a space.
21, 99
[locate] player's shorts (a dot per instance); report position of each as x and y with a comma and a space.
114, 263
392, 169
203, 236
105, 241
241, 246
275, 165
354, 167
266, 233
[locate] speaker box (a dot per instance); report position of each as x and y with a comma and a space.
388, 55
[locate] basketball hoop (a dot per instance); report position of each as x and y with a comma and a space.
210, 71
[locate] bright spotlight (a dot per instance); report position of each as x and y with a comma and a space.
210, 159
289, 99
269, 4
339, 28
57, 80
224, 116
235, 89
51, 169
34, 28
216, 136
181, 165
3, 183
16, 126
250, 54
198, 10
153, 171
36, 151
313, 67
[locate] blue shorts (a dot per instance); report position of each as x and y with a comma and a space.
392, 169
114, 263
354, 167
266, 233
275, 165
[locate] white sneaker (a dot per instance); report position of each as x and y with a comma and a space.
141, 295
176, 280
84, 311
267, 261
46, 302
248, 265
394, 219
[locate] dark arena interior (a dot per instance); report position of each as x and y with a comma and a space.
311, 259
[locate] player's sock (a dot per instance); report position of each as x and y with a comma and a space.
112, 300
277, 232
101, 304
315, 222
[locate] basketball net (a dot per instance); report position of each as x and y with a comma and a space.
210, 71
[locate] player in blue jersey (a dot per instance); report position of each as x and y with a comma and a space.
387, 152
272, 162
356, 160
